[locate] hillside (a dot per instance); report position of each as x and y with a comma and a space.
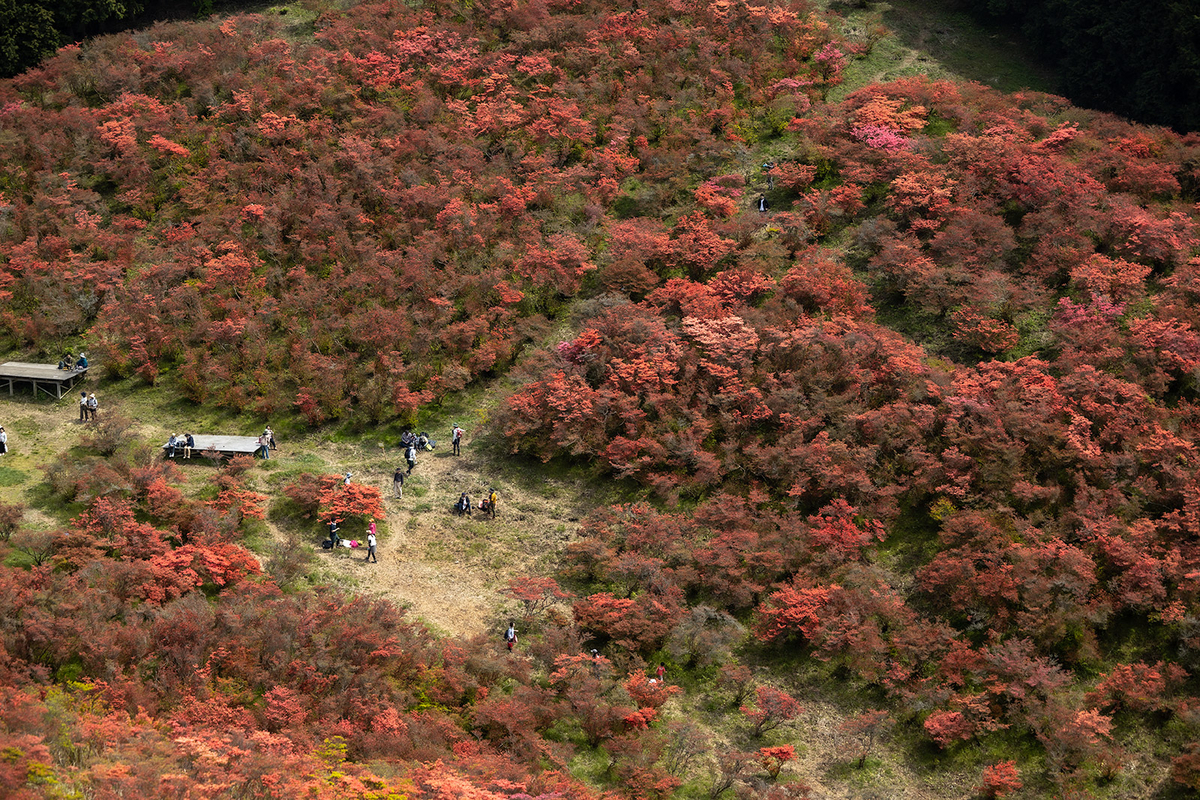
867, 409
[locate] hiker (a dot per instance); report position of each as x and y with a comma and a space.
3, 441
661, 672
92, 405
410, 455
81, 363
347, 477
67, 361
762, 203
398, 482
333, 533
83, 407
510, 635
456, 439
264, 447
491, 503
463, 506
172, 443
188, 444
270, 434
371, 545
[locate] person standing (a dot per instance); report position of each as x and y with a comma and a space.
3, 441
270, 434
371, 545
92, 405
263, 449
492, 499
398, 482
410, 455
346, 478
661, 672
83, 407
510, 636
456, 439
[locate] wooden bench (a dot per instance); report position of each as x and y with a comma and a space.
222, 445
47, 377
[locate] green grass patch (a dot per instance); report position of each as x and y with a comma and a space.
936, 39
10, 476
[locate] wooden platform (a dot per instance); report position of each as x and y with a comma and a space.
225, 445
47, 377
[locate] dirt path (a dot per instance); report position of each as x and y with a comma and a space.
450, 570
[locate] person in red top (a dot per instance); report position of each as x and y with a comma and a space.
661, 671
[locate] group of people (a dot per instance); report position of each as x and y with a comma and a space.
180, 441
266, 443
335, 540
88, 404
72, 364
487, 505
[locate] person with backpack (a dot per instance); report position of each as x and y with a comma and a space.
491, 502
510, 636
92, 405
83, 407
456, 439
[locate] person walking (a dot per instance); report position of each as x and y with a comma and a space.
3, 441
456, 439
92, 406
371, 545
510, 636
410, 455
398, 482
83, 407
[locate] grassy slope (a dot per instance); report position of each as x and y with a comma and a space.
449, 571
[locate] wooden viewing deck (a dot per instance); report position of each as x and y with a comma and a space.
47, 377
225, 445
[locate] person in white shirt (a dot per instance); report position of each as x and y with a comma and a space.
371, 545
